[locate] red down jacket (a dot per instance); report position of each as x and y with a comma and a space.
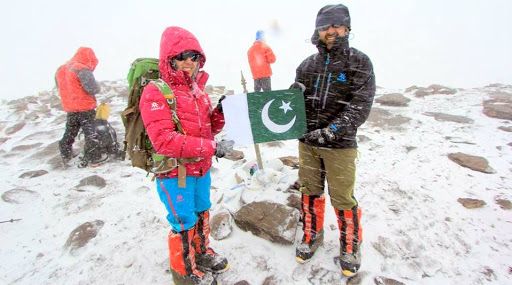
73, 96
260, 56
200, 121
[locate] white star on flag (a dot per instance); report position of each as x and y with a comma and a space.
286, 107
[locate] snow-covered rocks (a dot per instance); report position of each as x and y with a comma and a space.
271, 221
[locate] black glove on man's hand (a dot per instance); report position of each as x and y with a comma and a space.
219, 105
321, 136
224, 147
298, 85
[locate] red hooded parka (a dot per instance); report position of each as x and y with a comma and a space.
260, 56
73, 96
200, 121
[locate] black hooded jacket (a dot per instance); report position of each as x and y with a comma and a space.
340, 87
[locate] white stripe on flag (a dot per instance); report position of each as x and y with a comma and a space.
236, 115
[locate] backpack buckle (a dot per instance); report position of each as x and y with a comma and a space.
164, 165
143, 81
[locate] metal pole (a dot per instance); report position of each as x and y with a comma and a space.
256, 146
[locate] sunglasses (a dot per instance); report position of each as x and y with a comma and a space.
193, 55
326, 27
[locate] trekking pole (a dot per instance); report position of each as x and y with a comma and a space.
10, 221
256, 146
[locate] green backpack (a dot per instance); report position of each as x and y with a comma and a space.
144, 71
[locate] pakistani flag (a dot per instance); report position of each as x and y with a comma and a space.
264, 116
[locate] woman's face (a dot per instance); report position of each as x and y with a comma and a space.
187, 61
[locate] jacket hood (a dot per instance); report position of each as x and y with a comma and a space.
176, 40
260, 35
85, 56
331, 15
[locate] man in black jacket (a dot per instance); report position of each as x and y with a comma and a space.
339, 86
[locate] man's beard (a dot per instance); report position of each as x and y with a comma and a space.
331, 39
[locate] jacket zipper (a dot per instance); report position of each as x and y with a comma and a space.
200, 124
321, 88
327, 90
316, 90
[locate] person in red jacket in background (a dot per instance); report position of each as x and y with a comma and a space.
78, 87
260, 56
181, 59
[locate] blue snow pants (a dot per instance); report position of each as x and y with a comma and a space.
183, 204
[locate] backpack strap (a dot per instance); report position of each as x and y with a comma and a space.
171, 100
167, 163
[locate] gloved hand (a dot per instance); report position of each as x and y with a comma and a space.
321, 136
224, 147
219, 105
298, 85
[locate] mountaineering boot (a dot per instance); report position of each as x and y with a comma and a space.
66, 161
99, 161
351, 237
350, 263
212, 261
66, 157
206, 258
207, 279
313, 209
182, 258
305, 251
95, 162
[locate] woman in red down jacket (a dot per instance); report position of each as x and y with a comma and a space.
181, 58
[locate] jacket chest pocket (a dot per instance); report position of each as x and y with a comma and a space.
340, 88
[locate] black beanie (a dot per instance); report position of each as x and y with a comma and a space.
333, 15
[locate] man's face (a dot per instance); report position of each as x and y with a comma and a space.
329, 35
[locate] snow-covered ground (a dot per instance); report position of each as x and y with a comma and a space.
415, 230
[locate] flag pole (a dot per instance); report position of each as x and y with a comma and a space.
256, 146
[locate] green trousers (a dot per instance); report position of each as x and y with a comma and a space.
338, 166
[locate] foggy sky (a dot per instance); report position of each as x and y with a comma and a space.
455, 43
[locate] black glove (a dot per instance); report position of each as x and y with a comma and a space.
219, 105
321, 136
224, 147
298, 85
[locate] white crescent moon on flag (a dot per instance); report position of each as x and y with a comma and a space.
273, 127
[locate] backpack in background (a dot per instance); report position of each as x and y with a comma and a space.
102, 112
107, 142
107, 137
